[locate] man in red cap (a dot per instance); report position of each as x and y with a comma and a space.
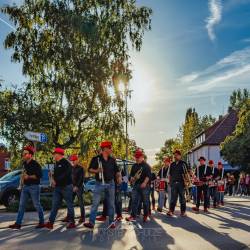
140, 179
221, 184
106, 172
77, 181
163, 176
212, 192
63, 189
176, 172
32, 173
203, 174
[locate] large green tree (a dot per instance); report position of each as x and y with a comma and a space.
236, 148
238, 98
73, 54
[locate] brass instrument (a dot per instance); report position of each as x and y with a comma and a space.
187, 182
137, 176
21, 183
101, 176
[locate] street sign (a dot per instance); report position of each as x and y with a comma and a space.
36, 137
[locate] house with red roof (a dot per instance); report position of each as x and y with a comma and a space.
207, 143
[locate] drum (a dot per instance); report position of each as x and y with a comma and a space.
211, 184
160, 185
198, 183
221, 186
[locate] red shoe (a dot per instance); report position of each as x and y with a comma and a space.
183, 214
101, 218
66, 219
71, 225
130, 218
145, 218
222, 203
15, 226
40, 225
205, 210
112, 226
195, 209
48, 225
88, 225
214, 206
118, 218
170, 214
149, 212
81, 220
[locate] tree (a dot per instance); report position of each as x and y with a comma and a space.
73, 55
235, 149
238, 98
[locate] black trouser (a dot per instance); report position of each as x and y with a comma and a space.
177, 189
202, 189
79, 195
230, 189
212, 192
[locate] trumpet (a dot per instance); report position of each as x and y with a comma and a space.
101, 176
137, 176
21, 183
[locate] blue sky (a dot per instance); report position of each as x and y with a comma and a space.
197, 53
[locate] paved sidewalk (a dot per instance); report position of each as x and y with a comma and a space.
226, 228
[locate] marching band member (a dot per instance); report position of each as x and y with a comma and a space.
212, 192
106, 172
63, 189
162, 176
202, 174
77, 180
140, 178
176, 173
31, 187
221, 184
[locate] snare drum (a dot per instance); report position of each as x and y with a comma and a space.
221, 186
160, 185
198, 183
211, 184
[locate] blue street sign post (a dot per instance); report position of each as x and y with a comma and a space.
36, 137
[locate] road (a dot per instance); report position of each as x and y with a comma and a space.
226, 228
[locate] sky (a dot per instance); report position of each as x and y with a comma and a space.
196, 54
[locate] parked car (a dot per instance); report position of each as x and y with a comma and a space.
89, 185
9, 184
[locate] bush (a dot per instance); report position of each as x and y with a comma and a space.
46, 202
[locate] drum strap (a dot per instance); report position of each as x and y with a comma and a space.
213, 171
222, 174
205, 171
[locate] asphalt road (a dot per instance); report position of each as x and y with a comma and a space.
226, 228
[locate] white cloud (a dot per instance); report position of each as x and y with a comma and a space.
189, 78
215, 9
229, 68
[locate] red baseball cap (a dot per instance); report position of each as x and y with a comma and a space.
167, 159
211, 162
138, 154
219, 163
106, 144
59, 151
73, 158
30, 149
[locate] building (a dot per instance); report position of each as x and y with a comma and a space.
207, 143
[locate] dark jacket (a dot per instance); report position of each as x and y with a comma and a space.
77, 176
63, 173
